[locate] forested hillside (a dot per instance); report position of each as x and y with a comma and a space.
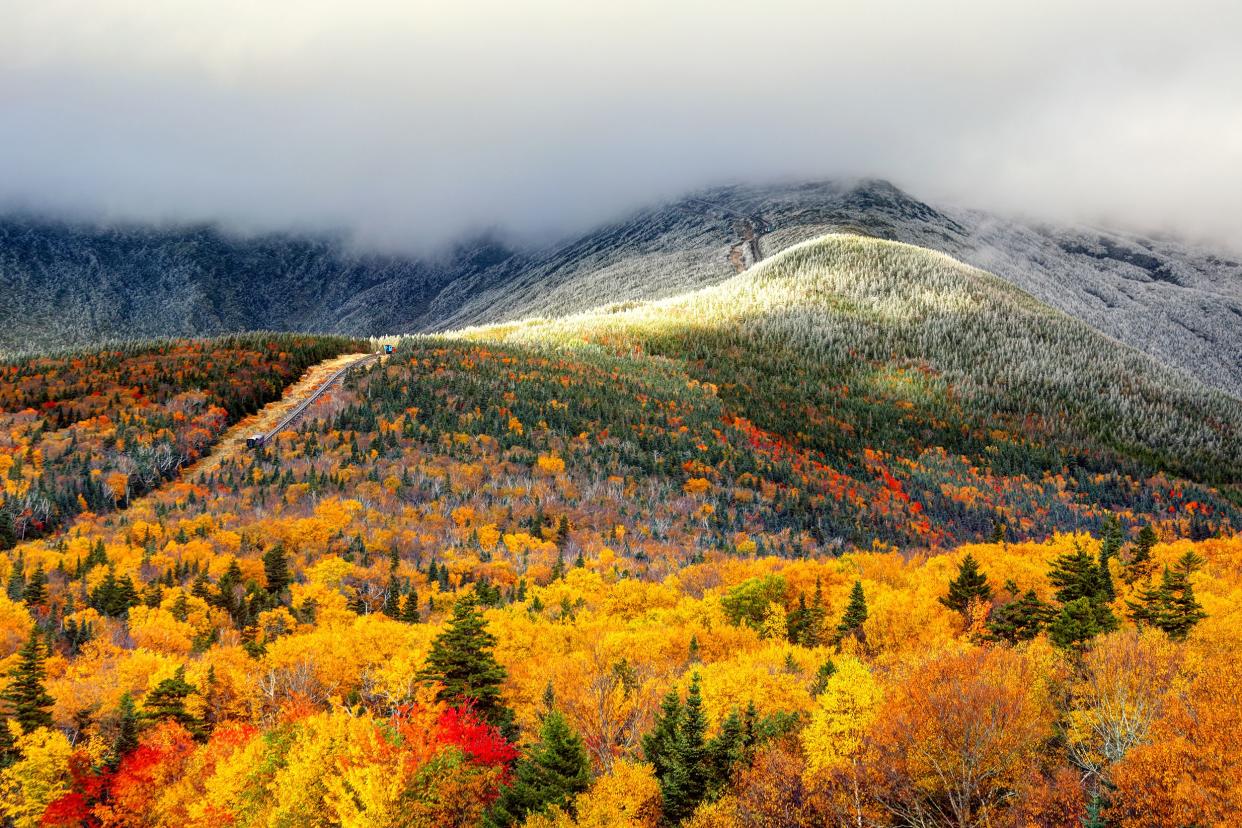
863, 536
90, 430
73, 284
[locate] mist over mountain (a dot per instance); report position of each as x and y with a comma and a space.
70, 284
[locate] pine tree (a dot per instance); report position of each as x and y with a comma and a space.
1084, 589
26, 700
1020, 619
1111, 538
1140, 556
167, 702
825, 672
855, 614
17, 580
1075, 576
686, 763
276, 569
35, 592
552, 772
1076, 624
409, 611
392, 599
970, 586
725, 751
127, 726
8, 535
461, 662
660, 743
1171, 606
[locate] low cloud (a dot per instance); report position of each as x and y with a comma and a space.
412, 123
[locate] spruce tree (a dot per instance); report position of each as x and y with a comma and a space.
968, 587
392, 599
1076, 624
17, 580
691, 768
1171, 605
276, 569
409, 610
725, 751
167, 702
8, 535
461, 662
127, 725
1140, 555
660, 743
26, 700
1020, 619
35, 592
855, 614
552, 772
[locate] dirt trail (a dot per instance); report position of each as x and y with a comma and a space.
233, 441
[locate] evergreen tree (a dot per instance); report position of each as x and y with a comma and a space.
409, 611
1111, 538
825, 672
1076, 624
392, 598
552, 772
8, 535
1020, 619
1084, 589
276, 569
17, 580
725, 751
26, 700
461, 662
1171, 605
968, 587
127, 727
167, 701
1140, 555
35, 592
660, 744
855, 614
1075, 575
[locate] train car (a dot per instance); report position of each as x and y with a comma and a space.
255, 440
388, 349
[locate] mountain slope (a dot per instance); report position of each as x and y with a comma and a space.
845, 339
69, 284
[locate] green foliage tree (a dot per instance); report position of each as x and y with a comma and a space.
1171, 605
968, 587
1084, 589
127, 726
552, 772
855, 614
1020, 619
167, 702
26, 700
1139, 563
276, 569
35, 592
462, 663
747, 603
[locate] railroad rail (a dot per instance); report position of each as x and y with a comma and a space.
258, 440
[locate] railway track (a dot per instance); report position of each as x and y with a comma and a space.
257, 440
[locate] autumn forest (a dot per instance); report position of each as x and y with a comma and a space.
709, 562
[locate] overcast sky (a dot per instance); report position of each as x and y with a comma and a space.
411, 122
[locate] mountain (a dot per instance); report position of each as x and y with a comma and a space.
860, 494
69, 284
